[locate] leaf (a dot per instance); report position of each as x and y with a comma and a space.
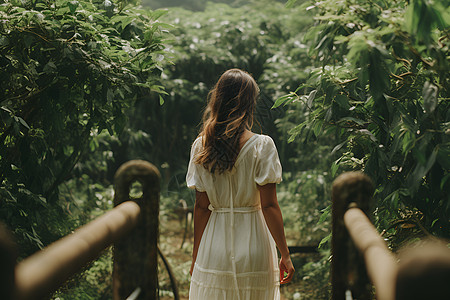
335, 167
311, 97
429, 94
109, 128
338, 147
166, 25
73, 5
6, 109
11, 198
408, 141
155, 88
412, 16
350, 119
123, 20
394, 197
328, 114
299, 87
378, 76
93, 144
318, 127
291, 3
369, 134
423, 16
42, 200
421, 170
50, 67
325, 240
159, 13
22, 121
444, 180
325, 214
342, 100
161, 100
280, 101
120, 122
109, 95
434, 222
294, 132
285, 99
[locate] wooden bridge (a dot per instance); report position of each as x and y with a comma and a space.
361, 261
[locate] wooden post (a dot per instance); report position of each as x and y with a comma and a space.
347, 265
424, 271
8, 257
135, 256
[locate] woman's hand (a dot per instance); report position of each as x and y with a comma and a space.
274, 220
286, 266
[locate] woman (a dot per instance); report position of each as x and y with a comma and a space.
237, 220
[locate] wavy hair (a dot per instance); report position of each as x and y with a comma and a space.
228, 114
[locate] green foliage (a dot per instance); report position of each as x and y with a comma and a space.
303, 196
68, 69
317, 274
205, 44
382, 93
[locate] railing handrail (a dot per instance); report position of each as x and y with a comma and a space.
133, 228
379, 260
42, 273
358, 250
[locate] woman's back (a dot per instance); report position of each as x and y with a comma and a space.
237, 256
234, 174
256, 163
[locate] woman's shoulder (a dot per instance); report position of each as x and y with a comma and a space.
261, 145
264, 140
197, 142
196, 146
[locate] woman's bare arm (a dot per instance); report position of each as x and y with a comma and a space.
201, 216
272, 215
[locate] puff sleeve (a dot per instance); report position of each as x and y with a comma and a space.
268, 166
193, 176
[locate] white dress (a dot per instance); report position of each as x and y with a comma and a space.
237, 256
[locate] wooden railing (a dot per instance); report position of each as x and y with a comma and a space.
362, 262
132, 226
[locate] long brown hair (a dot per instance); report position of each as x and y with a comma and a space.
229, 112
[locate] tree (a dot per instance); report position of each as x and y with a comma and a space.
382, 91
68, 70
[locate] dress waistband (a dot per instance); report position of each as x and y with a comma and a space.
246, 209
